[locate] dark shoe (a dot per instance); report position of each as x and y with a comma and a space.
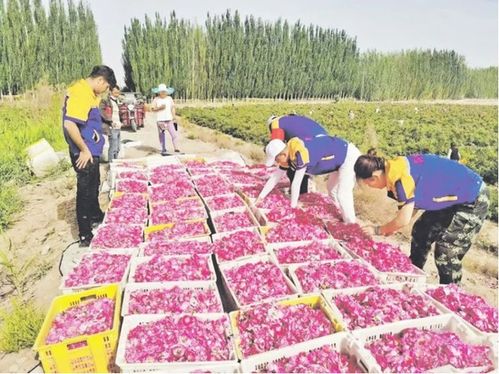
97, 220
164, 153
177, 151
85, 240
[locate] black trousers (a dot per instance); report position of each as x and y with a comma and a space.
304, 183
87, 195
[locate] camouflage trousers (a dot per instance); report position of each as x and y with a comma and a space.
452, 230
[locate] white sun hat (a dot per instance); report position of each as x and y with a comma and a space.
272, 149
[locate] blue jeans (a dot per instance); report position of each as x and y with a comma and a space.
114, 144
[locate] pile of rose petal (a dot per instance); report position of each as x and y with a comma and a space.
174, 300
98, 268
317, 276
174, 268
377, 306
294, 230
231, 221
417, 351
471, 308
88, 318
252, 282
270, 326
315, 251
187, 247
180, 230
320, 360
117, 236
238, 244
179, 338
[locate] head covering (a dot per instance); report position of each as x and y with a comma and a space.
162, 88
270, 119
272, 149
154, 90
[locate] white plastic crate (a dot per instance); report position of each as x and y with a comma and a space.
152, 229
202, 239
129, 322
447, 322
330, 295
252, 260
273, 247
292, 272
157, 160
122, 283
199, 285
202, 215
441, 306
215, 215
265, 229
142, 260
223, 235
341, 342
418, 276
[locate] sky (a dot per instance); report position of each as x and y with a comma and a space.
470, 27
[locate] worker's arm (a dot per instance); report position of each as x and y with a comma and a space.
402, 219
295, 186
75, 135
271, 183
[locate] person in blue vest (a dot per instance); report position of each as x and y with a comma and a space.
82, 126
316, 156
291, 126
454, 198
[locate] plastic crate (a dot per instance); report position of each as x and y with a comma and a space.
341, 342
273, 247
251, 260
265, 229
141, 260
445, 322
292, 272
131, 252
315, 301
200, 285
223, 235
419, 276
439, 305
330, 295
215, 215
85, 353
207, 201
149, 230
129, 322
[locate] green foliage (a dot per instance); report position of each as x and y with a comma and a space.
19, 325
394, 129
61, 44
493, 213
235, 58
22, 124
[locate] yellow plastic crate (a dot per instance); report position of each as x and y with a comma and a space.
85, 353
315, 301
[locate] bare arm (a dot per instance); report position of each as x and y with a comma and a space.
295, 186
74, 134
271, 183
402, 219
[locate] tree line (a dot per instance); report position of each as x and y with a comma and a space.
58, 45
232, 57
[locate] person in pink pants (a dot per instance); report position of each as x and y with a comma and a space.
164, 107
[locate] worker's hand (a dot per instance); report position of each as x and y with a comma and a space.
85, 157
257, 201
369, 230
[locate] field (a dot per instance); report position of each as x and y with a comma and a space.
394, 129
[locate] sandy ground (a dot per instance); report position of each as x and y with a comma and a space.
47, 225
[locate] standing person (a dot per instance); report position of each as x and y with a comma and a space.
82, 126
164, 107
112, 120
455, 200
290, 126
453, 153
320, 155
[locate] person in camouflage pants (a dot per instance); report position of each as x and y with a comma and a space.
454, 198
452, 230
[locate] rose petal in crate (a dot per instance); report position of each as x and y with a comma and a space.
188, 247
129, 201
117, 236
314, 251
291, 231
131, 186
231, 221
224, 202
170, 269
126, 216
239, 244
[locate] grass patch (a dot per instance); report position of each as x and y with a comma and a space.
10, 203
20, 323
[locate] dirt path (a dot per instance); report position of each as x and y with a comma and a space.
47, 225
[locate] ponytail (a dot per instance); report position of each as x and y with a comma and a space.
366, 165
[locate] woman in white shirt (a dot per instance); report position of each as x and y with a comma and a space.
164, 107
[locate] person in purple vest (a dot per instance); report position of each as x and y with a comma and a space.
316, 156
454, 198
